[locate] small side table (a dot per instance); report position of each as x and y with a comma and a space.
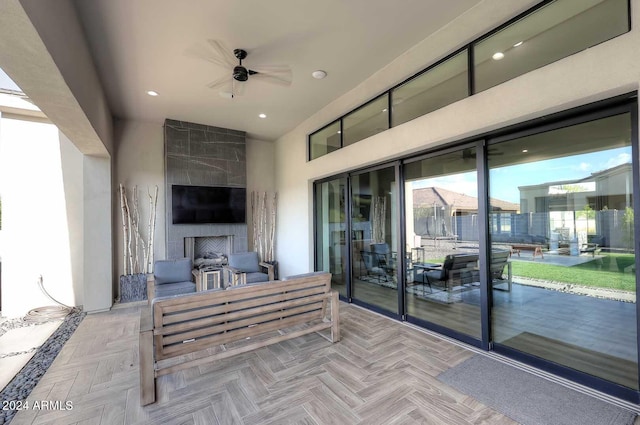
205, 277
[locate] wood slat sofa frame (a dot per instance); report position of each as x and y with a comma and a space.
244, 317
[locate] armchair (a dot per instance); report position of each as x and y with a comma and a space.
458, 269
170, 277
245, 267
379, 261
500, 260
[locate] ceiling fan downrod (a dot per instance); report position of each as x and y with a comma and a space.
240, 73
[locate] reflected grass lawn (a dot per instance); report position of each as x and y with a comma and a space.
615, 271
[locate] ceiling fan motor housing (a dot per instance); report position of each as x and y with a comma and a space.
240, 73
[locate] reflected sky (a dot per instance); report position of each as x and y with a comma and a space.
505, 181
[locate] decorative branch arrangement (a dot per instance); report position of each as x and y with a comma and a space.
137, 253
379, 212
263, 212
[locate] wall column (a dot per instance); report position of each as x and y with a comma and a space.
97, 281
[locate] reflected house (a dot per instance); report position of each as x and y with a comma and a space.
589, 209
441, 212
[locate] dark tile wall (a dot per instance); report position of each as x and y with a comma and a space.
202, 155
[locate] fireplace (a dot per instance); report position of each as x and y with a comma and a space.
208, 251
200, 155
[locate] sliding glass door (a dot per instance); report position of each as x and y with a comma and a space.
442, 237
524, 243
374, 239
562, 207
331, 231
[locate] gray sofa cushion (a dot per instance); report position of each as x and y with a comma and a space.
175, 288
246, 261
171, 271
257, 277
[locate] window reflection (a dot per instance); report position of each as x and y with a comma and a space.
555, 31
325, 141
331, 240
443, 276
374, 239
438, 87
366, 121
571, 296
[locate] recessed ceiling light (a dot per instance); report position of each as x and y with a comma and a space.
339, 131
319, 74
525, 150
152, 93
384, 110
263, 115
497, 56
519, 43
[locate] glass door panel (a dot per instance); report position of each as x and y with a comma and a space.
442, 235
562, 250
331, 227
374, 249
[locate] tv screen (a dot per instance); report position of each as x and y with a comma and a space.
208, 204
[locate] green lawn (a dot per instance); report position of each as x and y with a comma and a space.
612, 271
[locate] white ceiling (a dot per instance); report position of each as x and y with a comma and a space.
142, 45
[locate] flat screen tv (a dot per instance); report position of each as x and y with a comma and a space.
208, 204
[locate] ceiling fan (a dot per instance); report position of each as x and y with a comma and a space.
231, 60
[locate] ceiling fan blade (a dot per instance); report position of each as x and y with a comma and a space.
272, 79
280, 75
220, 82
216, 54
223, 52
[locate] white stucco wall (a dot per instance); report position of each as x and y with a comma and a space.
97, 236
42, 216
603, 71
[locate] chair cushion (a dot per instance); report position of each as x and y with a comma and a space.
176, 288
380, 248
245, 261
256, 277
434, 275
170, 271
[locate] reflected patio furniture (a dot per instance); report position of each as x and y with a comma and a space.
500, 259
384, 256
537, 249
419, 271
376, 266
457, 270
593, 248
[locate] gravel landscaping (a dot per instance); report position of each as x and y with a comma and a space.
26, 380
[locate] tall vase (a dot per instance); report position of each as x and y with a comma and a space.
133, 287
